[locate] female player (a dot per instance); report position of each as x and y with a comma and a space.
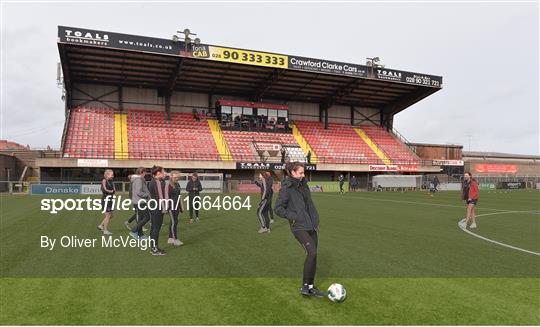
107, 190
294, 203
470, 196
266, 199
194, 188
174, 212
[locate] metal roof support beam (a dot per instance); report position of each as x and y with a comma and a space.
97, 99
120, 98
218, 80
323, 107
174, 76
366, 118
267, 83
344, 91
168, 107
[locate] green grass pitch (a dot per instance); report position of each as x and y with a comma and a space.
401, 257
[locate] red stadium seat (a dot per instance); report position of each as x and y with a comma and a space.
240, 143
90, 133
337, 144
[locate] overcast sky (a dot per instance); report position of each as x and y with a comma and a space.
487, 54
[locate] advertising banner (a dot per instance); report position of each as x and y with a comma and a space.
383, 168
495, 168
55, 189
269, 166
447, 162
83, 36
511, 185
394, 75
239, 56
486, 186
326, 66
46, 189
92, 163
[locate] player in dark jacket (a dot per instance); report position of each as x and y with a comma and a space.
294, 203
266, 199
194, 188
156, 187
470, 196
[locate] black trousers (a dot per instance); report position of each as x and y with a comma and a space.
262, 213
142, 216
157, 221
192, 200
270, 211
309, 241
134, 216
173, 228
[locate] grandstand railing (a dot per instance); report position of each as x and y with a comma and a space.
402, 139
64, 131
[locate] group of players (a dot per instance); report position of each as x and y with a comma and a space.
164, 189
294, 204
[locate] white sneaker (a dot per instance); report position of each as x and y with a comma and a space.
262, 230
473, 225
106, 232
271, 221
170, 241
178, 242
462, 224
100, 227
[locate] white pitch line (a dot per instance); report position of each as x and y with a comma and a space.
497, 242
464, 207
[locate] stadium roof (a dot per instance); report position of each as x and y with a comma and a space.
90, 56
498, 155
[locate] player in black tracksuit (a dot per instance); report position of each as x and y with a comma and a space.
294, 203
194, 187
156, 187
266, 201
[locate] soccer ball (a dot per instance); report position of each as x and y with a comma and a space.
337, 293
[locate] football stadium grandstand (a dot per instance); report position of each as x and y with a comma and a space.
135, 101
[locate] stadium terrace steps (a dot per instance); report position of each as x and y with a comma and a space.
398, 152
373, 146
121, 145
183, 137
90, 133
244, 146
337, 144
219, 139
304, 144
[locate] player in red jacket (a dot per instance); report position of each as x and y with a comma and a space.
470, 195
